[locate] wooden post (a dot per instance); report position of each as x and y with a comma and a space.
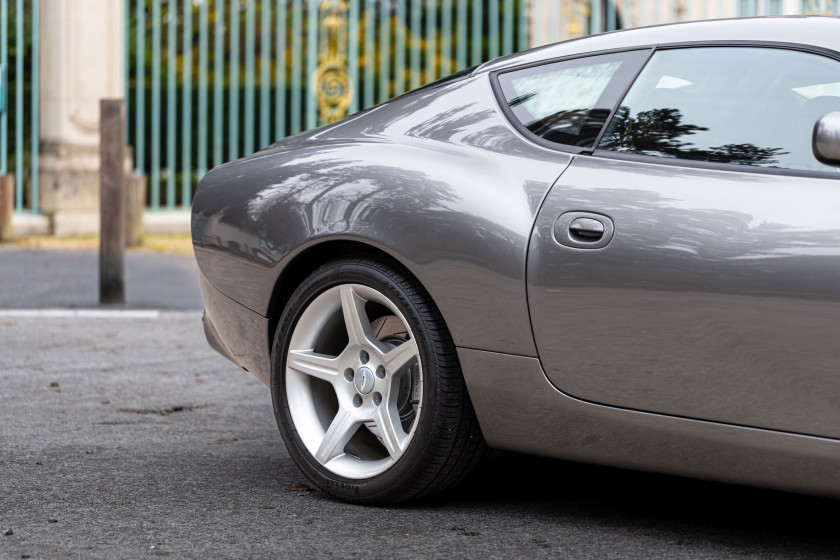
7, 204
111, 201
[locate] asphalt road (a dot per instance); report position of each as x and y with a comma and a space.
130, 438
125, 438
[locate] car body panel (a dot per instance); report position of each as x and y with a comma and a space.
235, 331
438, 179
525, 413
718, 297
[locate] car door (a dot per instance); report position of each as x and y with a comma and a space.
690, 265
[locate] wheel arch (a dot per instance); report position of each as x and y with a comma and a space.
308, 259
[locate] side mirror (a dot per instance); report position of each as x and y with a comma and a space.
826, 140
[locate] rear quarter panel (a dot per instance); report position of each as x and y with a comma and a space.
437, 178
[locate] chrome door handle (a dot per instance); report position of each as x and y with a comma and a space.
588, 229
583, 230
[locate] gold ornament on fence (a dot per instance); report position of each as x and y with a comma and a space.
332, 83
576, 13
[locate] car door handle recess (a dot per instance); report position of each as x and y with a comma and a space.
583, 230
588, 229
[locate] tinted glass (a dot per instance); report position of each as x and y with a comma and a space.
569, 102
745, 106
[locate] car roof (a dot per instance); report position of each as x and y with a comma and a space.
818, 31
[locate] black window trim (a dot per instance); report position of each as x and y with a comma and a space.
642, 158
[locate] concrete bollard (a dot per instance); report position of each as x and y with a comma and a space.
112, 201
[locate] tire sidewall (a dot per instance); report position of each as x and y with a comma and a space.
405, 470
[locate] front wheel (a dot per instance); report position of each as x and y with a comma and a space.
366, 386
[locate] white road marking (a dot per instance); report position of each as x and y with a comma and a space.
82, 313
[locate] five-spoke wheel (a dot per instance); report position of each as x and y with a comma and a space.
374, 379
362, 368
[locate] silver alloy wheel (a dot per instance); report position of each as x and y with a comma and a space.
375, 380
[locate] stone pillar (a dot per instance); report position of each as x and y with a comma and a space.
82, 43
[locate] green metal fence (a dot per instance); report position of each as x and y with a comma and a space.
213, 80
19, 98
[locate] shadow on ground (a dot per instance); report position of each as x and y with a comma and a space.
696, 510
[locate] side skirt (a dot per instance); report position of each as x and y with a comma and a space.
520, 410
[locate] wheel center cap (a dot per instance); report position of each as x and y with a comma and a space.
364, 380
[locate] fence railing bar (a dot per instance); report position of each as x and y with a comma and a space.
507, 27
538, 30
353, 11
353, 54
20, 78
296, 101
524, 25
595, 17
311, 64
4, 60
477, 28
399, 47
203, 31
126, 65
186, 109
280, 73
461, 34
369, 39
265, 74
431, 40
156, 103
493, 29
233, 83
554, 22
218, 82
171, 93
611, 15
140, 91
250, 69
446, 38
416, 43
384, 51
35, 133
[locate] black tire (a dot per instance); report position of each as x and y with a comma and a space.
447, 444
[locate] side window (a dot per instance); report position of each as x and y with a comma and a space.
737, 105
569, 102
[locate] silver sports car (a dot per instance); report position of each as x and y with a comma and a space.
622, 249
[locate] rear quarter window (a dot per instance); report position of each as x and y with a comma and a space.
568, 102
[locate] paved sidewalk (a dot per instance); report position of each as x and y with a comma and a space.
48, 278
